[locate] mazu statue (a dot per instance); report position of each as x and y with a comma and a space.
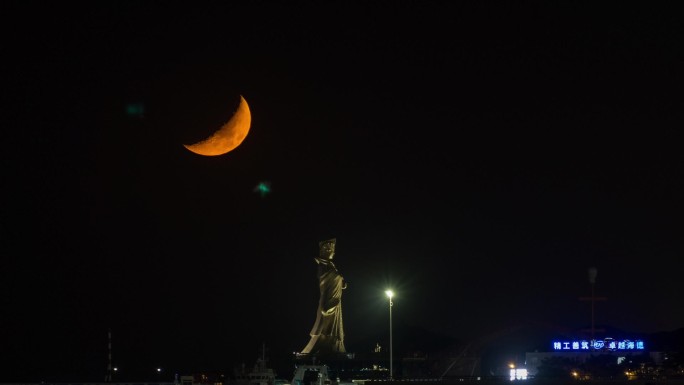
327, 334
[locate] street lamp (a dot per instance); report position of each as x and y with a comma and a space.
390, 294
592, 280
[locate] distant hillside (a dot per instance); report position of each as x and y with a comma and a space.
489, 352
666, 341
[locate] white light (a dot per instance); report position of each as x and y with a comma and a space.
518, 374
115, 369
158, 369
389, 293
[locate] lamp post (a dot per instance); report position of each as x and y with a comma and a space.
390, 294
593, 298
592, 280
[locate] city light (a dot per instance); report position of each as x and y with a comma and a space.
518, 374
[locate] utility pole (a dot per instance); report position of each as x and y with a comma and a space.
592, 280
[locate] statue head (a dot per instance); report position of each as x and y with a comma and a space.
327, 248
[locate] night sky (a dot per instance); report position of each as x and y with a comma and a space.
478, 158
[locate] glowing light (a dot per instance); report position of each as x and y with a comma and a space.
605, 344
263, 188
136, 110
389, 294
518, 374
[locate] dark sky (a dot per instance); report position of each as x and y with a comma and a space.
477, 157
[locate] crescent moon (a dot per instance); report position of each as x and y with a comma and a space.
229, 136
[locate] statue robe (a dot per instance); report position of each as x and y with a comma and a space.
327, 334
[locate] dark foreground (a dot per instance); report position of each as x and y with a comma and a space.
502, 381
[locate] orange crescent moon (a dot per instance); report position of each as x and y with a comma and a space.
228, 137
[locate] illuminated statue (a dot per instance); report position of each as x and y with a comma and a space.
327, 334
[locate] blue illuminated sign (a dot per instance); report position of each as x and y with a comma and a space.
605, 344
